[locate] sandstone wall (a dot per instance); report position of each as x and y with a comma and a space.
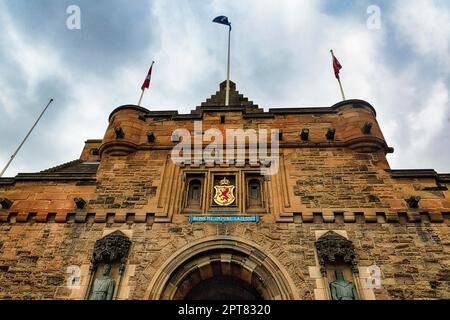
34, 257
344, 185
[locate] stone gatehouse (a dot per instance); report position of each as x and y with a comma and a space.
334, 208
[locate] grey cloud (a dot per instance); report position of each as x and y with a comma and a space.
280, 58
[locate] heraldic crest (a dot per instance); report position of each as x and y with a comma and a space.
224, 193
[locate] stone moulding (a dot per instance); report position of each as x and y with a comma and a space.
144, 111
331, 246
419, 174
368, 144
302, 217
363, 144
113, 247
118, 148
355, 103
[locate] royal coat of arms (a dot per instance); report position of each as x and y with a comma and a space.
224, 193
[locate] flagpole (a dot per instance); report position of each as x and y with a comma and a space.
227, 90
26, 137
339, 79
140, 99
342, 91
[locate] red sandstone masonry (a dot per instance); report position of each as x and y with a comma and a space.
323, 185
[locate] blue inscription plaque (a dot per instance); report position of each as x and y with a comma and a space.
223, 218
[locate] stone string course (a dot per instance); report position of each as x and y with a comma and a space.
338, 216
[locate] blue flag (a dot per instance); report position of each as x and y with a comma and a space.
222, 20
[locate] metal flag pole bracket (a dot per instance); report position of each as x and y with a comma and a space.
25, 139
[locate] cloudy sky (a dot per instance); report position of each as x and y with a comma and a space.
280, 58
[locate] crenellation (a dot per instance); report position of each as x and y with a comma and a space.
330, 216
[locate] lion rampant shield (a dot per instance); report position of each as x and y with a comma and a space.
224, 193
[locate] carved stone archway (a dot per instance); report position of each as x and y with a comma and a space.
202, 259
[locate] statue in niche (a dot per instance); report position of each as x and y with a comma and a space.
103, 287
341, 289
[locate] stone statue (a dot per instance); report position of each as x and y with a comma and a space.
103, 287
341, 289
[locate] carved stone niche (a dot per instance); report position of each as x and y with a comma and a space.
331, 246
113, 248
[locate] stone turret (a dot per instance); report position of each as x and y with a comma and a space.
125, 132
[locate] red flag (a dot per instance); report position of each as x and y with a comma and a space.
146, 83
336, 66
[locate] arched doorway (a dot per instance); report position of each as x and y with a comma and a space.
224, 268
223, 288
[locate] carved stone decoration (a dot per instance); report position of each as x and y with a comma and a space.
367, 128
80, 202
119, 133
304, 135
330, 134
224, 193
413, 202
112, 248
332, 245
6, 203
150, 137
